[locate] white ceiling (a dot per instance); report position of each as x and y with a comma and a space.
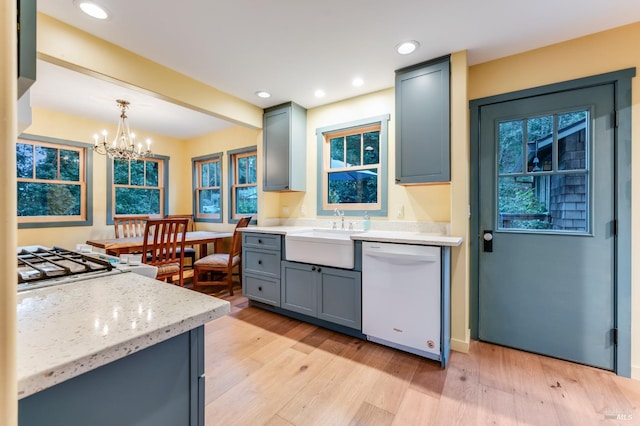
293, 47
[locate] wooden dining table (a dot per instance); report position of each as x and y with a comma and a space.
118, 246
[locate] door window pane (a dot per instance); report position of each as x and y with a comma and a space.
540, 144
568, 202
572, 139
544, 196
522, 203
511, 142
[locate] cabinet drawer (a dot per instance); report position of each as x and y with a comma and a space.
261, 289
262, 262
265, 241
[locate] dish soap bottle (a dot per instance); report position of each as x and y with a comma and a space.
366, 222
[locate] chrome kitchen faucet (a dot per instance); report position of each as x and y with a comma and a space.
341, 214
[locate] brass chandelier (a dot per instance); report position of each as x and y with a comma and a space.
124, 144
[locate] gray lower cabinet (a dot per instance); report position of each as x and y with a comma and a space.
160, 385
423, 123
330, 294
261, 255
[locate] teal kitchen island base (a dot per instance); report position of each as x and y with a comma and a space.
118, 350
160, 385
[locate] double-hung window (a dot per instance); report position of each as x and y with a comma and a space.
207, 187
54, 182
352, 167
137, 187
244, 183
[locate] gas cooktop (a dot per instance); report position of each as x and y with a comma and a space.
41, 267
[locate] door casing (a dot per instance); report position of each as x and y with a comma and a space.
621, 81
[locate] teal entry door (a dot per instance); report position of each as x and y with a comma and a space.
547, 238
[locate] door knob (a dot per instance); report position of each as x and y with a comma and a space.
487, 236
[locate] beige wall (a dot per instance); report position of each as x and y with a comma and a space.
595, 54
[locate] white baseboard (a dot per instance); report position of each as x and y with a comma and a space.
461, 345
635, 372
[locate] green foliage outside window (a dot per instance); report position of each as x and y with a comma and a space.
49, 181
137, 188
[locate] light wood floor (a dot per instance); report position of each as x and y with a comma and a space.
266, 369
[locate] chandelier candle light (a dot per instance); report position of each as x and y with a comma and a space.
124, 144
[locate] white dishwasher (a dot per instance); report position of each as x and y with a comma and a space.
401, 297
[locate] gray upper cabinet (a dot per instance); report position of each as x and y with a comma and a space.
26, 45
422, 123
284, 137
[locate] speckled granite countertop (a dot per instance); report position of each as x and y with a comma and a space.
403, 237
69, 329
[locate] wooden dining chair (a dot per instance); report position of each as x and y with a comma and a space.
163, 247
221, 265
129, 226
189, 250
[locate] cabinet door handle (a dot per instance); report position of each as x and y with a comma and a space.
319, 269
259, 241
259, 288
259, 262
313, 268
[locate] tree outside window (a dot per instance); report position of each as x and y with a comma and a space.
207, 174
51, 183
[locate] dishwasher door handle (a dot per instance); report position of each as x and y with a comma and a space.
404, 258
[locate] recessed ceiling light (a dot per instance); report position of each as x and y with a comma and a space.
262, 94
357, 82
92, 9
407, 47
320, 93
